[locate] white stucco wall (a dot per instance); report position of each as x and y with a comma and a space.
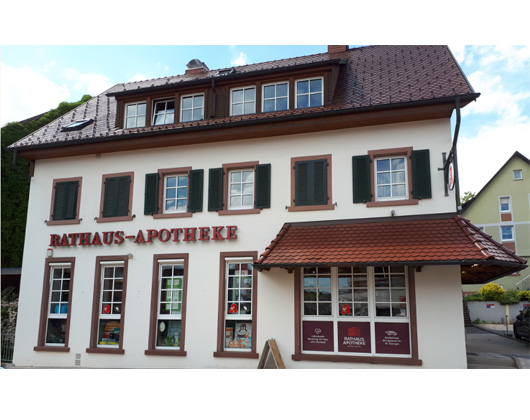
436, 288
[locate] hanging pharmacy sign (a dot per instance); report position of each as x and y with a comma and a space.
117, 237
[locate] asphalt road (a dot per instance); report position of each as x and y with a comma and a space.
491, 343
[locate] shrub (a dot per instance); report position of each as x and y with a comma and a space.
474, 297
523, 295
509, 298
492, 291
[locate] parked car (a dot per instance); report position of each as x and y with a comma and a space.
520, 326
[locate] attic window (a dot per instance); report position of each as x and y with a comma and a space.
225, 72
77, 125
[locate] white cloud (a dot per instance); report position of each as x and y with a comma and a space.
26, 93
240, 60
87, 83
137, 78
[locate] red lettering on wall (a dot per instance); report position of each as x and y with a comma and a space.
96, 240
189, 234
217, 233
163, 235
176, 234
54, 240
203, 234
231, 232
118, 237
151, 233
139, 238
84, 238
108, 237
73, 238
64, 241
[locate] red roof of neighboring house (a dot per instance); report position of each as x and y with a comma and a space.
434, 240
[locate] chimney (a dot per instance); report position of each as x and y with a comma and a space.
196, 67
337, 48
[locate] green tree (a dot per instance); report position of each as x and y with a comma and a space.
468, 195
15, 185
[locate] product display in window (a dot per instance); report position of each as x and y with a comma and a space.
242, 338
109, 332
168, 333
56, 331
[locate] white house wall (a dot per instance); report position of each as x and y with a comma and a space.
438, 289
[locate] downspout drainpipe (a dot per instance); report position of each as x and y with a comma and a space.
214, 98
455, 160
16, 168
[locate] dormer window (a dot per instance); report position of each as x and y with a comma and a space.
276, 97
164, 112
309, 93
192, 108
243, 101
135, 115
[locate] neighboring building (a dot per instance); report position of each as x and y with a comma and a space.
183, 221
501, 209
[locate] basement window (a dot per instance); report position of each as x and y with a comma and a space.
77, 125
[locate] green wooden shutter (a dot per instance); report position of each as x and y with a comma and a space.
116, 196
263, 186
421, 174
195, 190
311, 182
215, 189
151, 194
362, 185
65, 201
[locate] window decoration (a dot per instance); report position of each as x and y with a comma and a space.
65, 201
164, 112
311, 186
116, 197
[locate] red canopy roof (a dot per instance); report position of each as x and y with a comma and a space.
445, 239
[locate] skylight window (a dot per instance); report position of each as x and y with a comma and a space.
77, 125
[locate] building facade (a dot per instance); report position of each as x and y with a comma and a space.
182, 222
502, 210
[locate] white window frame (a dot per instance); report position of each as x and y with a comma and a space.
241, 194
391, 184
309, 93
193, 107
164, 113
111, 316
512, 236
61, 314
504, 198
232, 103
275, 97
166, 318
372, 318
238, 318
137, 116
176, 188
516, 173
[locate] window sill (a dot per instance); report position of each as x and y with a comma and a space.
358, 359
389, 203
52, 349
105, 351
242, 211
236, 354
63, 222
158, 352
172, 215
114, 219
311, 208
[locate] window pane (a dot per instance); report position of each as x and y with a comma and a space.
141, 109
324, 308
383, 165
268, 105
398, 191
198, 114
315, 99
360, 309
398, 164
310, 308
303, 102
198, 101
281, 104
250, 94
249, 107
237, 95
248, 201
269, 92
187, 102
140, 121
281, 89
168, 333
316, 85
187, 115
383, 178
398, 177
383, 191
399, 295
302, 87
109, 332
237, 109
399, 309
131, 110
56, 331
382, 296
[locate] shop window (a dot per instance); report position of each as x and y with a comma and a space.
237, 311
309, 92
192, 108
239, 188
243, 101
168, 311
65, 201
135, 115
311, 183
391, 177
275, 97
109, 305
116, 197
57, 300
355, 311
164, 112
176, 192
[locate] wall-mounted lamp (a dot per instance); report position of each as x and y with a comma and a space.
49, 252
393, 213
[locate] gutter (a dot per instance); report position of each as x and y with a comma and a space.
15, 167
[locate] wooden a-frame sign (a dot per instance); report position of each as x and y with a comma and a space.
270, 357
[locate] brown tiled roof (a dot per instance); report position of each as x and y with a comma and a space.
369, 77
433, 240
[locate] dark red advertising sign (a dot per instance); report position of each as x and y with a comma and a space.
317, 335
354, 337
392, 338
